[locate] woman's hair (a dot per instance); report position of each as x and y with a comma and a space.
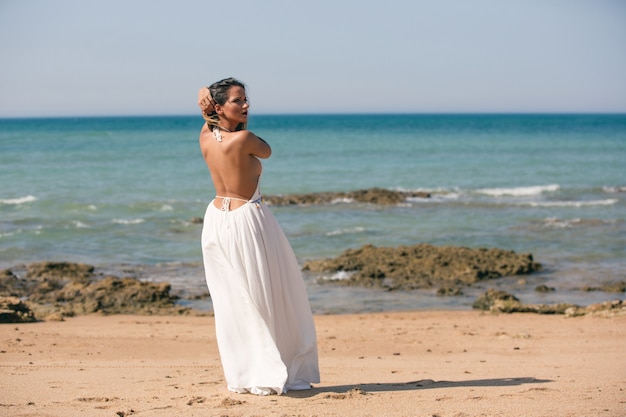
219, 94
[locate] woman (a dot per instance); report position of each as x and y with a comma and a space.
263, 321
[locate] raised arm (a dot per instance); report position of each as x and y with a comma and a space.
205, 101
256, 146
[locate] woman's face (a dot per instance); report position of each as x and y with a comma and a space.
235, 109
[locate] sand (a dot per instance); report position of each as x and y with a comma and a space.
423, 363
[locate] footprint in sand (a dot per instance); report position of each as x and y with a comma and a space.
229, 402
196, 400
353, 393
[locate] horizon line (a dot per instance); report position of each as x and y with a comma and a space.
278, 114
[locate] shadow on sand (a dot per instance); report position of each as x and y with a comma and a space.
416, 386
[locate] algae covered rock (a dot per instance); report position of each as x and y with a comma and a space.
423, 266
68, 289
503, 302
13, 310
379, 196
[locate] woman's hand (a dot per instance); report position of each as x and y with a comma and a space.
205, 101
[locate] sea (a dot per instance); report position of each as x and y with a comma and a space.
124, 194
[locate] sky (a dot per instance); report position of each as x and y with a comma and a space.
149, 57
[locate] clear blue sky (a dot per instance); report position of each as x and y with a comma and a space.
137, 57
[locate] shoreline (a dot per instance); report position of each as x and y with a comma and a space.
421, 363
54, 290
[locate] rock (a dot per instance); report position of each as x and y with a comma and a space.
494, 299
423, 266
606, 309
10, 285
44, 279
503, 302
62, 289
379, 196
447, 291
60, 270
544, 288
13, 310
55, 316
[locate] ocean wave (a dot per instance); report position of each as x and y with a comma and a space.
614, 190
576, 204
346, 231
343, 200
337, 276
127, 221
80, 225
19, 200
436, 197
556, 223
519, 191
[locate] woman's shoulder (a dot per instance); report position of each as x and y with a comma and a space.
252, 144
204, 132
244, 135
244, 132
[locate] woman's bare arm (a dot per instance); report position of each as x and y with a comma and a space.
256, 146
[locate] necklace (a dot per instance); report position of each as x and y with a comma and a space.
217, 133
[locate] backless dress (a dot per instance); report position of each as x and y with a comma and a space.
263, 322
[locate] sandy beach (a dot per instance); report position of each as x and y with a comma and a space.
425, 363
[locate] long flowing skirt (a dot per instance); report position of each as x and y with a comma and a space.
264, 326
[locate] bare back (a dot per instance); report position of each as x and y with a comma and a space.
234, 163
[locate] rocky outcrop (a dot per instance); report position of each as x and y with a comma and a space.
424, 266
378, 196
13, 310
503, 302
68, 289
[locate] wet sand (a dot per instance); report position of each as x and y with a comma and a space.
424, 363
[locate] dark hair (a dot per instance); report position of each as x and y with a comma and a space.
219, 94
219, 90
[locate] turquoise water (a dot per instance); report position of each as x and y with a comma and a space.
120, 193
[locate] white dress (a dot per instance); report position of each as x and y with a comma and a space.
263, 321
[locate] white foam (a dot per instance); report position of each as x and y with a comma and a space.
352, 230
613, 190
559, 223
344, 200
436, 198
127, 221
81, 225
563, 224
519, 191
449, 196
418, 199
19, 200
576, 204
338, 276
